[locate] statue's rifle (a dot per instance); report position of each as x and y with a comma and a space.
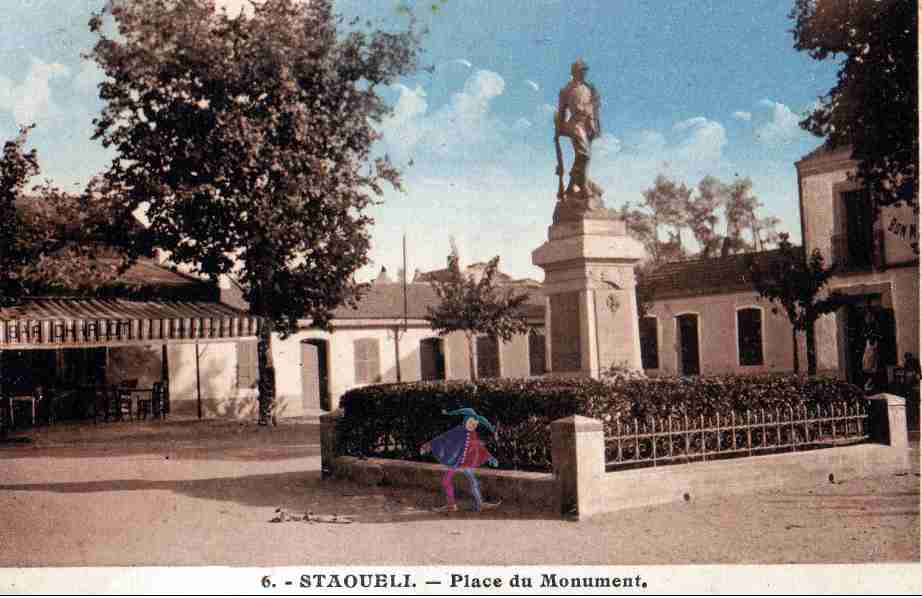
560, 191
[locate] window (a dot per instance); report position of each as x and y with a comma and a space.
247, 365
487, 357
649, 343
367, 361
536, 354
858, 246
749, 334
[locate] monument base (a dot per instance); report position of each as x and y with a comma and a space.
591, 303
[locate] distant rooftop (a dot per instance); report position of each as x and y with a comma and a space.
385, 301
710, 276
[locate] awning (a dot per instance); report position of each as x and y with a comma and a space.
49, 323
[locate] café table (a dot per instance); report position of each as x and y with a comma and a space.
28, 399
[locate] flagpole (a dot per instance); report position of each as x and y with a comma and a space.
404, 282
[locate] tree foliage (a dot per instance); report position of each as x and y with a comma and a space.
44, 244
873, 105
475, 306
248, 141
797, 285
741, 209
673, 207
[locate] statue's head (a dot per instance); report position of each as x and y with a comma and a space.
579, 68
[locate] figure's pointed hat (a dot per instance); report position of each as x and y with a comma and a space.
468, 412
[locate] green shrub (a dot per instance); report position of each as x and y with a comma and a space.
393, 420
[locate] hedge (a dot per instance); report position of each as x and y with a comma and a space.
393, 420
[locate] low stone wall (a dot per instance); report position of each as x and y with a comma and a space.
580, 486
536, 490
658, 485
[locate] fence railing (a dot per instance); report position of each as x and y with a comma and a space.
633, 442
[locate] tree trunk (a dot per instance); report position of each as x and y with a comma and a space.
266, 373
811, 350
796, 352
472, 356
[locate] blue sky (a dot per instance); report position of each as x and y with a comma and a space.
689, 88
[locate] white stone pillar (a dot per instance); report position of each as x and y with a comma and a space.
578, 456
589, 283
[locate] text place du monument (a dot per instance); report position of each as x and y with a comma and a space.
588, 259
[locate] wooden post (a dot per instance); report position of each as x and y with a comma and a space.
198, 383
397, 350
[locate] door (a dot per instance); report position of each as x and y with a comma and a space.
432, 359
310, 377
689, 361
323, 370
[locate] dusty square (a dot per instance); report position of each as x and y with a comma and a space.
188, 493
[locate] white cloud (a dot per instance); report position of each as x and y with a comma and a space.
522, 123
648, 142
546, 110
606, 145
782, 128
689, 123
532, 84
742, 115
464, 127
411, 104
88, 78
704, 142
30, 99
689, 150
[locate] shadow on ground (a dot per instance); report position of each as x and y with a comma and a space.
189, 439
297, 493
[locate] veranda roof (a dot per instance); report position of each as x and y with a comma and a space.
47, 323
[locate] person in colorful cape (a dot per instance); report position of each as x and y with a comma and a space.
460, 449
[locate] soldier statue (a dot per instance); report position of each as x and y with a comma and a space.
577, 117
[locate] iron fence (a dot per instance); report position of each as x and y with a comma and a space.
633, 442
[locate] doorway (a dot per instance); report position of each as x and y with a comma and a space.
689, 355
315, 375
432, 358
866, 319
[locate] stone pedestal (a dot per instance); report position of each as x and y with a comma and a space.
591, 303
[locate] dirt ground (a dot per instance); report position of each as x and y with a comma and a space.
202, 493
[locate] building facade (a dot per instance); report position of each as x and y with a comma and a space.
706, 319
877, 265
385, 338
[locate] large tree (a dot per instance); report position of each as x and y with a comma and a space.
477, 306
662, 209
248, 141
741, 212
873, 105
798, 286
702, 214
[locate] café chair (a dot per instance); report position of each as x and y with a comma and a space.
121, 396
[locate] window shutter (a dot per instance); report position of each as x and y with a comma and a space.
367, 361
649, 344
247, 365
536, 354
487, 357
